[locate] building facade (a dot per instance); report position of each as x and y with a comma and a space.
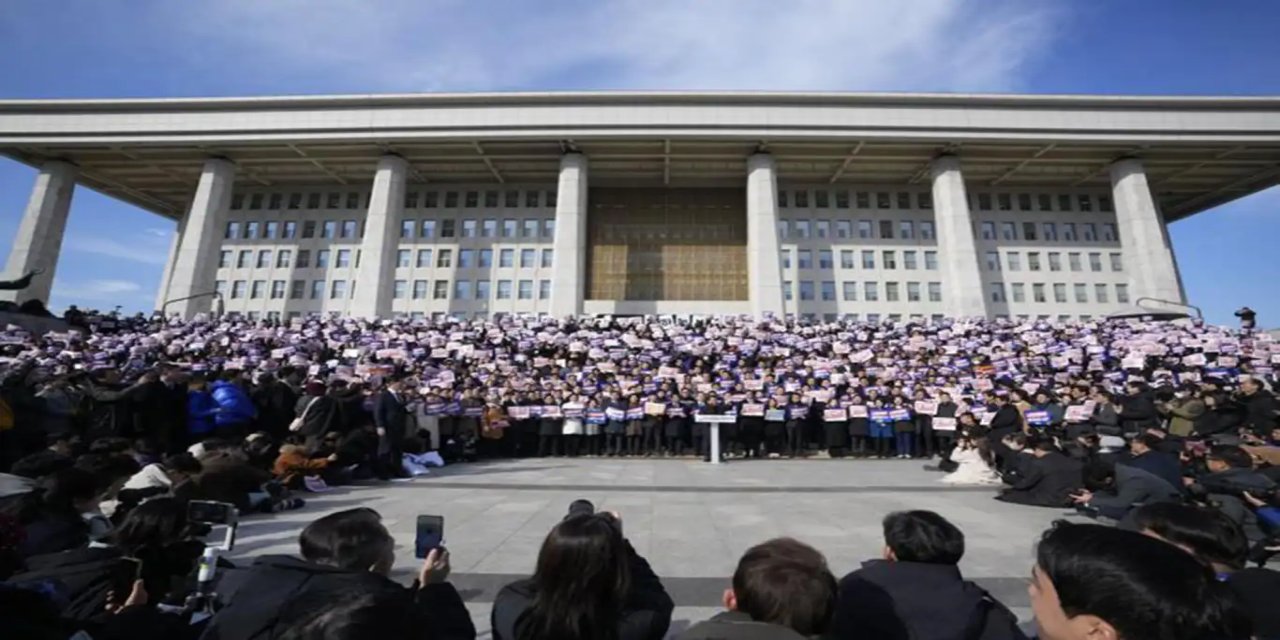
817, 206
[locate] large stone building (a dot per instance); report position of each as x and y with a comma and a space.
820, 205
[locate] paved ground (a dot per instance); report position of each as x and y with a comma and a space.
691, 520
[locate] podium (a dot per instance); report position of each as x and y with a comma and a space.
714, 421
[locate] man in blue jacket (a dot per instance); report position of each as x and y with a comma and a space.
235, 410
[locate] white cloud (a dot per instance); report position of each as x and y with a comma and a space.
146, 250
411, 45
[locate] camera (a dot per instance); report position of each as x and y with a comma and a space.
210, 512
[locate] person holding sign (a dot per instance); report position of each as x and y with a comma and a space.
924, 411
655, 412
775, 429
615, 428
571, 429
797, 415
751, 426
835, 426
549, 427
944, 434
859, 426
881, 425
904, 427
635, 425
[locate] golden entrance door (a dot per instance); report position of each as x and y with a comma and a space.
666, 244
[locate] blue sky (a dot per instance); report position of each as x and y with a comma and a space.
113, 253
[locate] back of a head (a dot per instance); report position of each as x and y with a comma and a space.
923, 536
353, 540
1207, 534
1233, 456
358, 615
151, 525
787, 583
1143, 588
57, 493
580, 582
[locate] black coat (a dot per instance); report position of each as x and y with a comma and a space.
1219, 419
1160, 464
389, 413
160, 413
323, 416
280, 592
1045, 482
1137, 412
646, 613
276, 402
1006, 421
736, 625
1259, 412
917, 601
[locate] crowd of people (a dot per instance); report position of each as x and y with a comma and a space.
1167, 429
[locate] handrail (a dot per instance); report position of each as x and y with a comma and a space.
1199, 313
222, 302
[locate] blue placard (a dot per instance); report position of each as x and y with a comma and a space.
1038, 418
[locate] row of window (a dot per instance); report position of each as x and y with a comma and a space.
1048, 231
924, 230
1017, 292
442, 258
843, 198
916, 317
413, 199
338, 289
870, 291
348, 229
1013, 261
888, 259
844, 229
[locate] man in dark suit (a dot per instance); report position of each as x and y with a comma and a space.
1048, 478
1005, 422
391, 417
1148, 456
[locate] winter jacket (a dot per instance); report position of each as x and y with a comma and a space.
735, 625
1045, 482
282, 592
918, 601
201, 410
1134, 486
235, 405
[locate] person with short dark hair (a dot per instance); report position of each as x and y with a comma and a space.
782, 590
1092, 581
1113, 490
917, 591
346, 557
1230, 474
1214, 539
1046, 478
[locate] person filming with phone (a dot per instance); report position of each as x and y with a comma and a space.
340, 589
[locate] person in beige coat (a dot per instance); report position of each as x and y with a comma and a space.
1182, 411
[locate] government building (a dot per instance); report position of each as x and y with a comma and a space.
819, 206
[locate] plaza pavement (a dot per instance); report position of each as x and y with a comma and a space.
691, 520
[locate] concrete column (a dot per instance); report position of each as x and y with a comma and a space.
764, 266
162, 291
381, 237
569, 259
39, 238
195, 262
1148, 257
962, 293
